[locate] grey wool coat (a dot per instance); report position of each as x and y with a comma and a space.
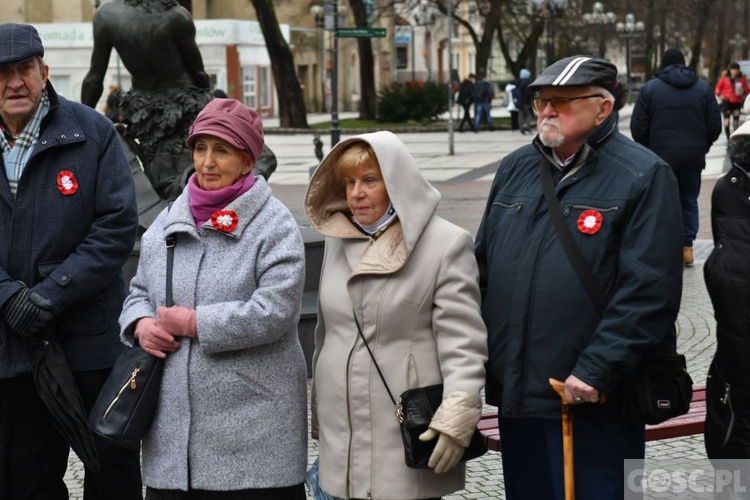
415, 291
232, 410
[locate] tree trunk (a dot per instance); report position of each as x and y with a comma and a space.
292, 111
366, 64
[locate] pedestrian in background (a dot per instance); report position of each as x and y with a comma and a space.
511, 96
676, 116
732, 90
483, 96
465, 99
620, 205
407, 280
727, 275
68, 220
523, 103
232, 416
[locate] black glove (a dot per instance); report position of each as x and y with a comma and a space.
23, 315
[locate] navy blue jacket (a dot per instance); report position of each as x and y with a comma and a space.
540, 321
676, 116
69, 248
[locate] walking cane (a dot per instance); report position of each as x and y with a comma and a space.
567, 438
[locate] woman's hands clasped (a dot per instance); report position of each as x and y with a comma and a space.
447, 452
157, 336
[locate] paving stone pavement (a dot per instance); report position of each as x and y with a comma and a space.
464, 181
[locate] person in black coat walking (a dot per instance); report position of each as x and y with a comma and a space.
727, 275
465, 99
677, 117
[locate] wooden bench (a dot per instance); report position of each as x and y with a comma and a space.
685, 425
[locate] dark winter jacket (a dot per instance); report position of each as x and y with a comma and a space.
483, 92
466, 93
69, 248
540, 321
727, 274
676, 116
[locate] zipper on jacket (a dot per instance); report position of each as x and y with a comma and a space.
130, 382
514, 206
568, 208
727, 400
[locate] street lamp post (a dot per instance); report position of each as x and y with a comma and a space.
599, 20
449, 19
550, 9
319, 13
628, 30
332, 23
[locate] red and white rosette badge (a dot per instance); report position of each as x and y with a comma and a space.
66, 182
225, 220
589, 222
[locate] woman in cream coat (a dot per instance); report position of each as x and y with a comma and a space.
412, 281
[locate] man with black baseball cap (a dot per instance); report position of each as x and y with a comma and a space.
68, 218
619, 205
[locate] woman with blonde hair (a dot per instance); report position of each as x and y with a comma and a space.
405, 281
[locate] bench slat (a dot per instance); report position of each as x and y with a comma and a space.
691, 423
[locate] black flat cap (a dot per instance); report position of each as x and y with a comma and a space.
19, 42
577, 71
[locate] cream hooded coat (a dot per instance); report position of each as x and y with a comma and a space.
416, 296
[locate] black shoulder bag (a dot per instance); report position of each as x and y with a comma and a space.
414, 411
127, 402
660, 388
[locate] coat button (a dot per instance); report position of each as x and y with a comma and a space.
76, 135
44, 141
733, 180
63, 136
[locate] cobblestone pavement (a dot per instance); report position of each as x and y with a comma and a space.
464, 180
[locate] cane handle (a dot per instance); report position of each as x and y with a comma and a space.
559, 388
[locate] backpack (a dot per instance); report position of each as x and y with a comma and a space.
482, 92
516, 95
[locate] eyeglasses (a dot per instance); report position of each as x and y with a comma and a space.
559, 104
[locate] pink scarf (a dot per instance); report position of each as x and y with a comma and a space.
204, 203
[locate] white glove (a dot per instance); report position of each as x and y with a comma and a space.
447, 452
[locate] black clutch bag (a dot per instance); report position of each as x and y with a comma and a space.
414, 411
126, 404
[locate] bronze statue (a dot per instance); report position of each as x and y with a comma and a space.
156, 42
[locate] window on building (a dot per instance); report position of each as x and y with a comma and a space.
62, 85
402, 57
250, 86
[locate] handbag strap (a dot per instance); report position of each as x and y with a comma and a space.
170, 242
377, 367
576, 258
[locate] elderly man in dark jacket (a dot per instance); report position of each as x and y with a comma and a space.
620, 204
677, 117
68, 221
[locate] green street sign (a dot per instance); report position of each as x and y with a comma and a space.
361, 33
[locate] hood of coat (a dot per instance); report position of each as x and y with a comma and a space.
678, 76
414, 199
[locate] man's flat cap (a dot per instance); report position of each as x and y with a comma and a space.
19, 42
577, 71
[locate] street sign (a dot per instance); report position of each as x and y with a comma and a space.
402, 35
361, 33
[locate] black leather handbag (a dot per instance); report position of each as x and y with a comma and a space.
660, 388
414, 411
126, 404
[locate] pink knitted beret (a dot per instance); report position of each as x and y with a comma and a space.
232, 121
